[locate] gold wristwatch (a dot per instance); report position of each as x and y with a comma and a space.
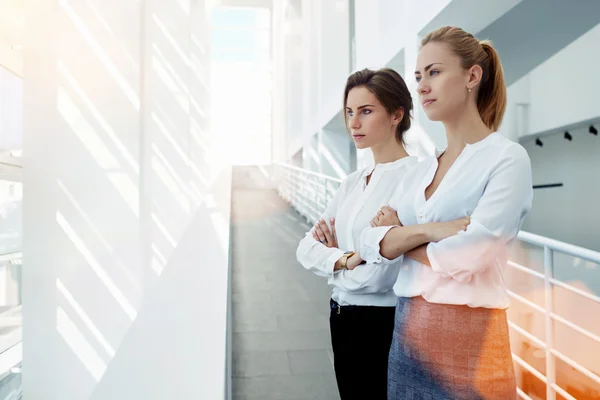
345, 258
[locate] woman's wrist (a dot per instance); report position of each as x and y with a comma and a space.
354, 261
428, 231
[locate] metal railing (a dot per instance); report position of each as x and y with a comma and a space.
550, 248
10, 317
309, 193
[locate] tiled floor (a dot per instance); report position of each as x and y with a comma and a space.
281, 342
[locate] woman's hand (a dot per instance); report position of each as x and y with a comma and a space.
441, 230
322, 234
386, 216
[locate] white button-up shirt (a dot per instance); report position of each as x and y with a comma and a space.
490, 182
353, 207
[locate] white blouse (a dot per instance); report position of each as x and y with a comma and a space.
490, 182
354, 205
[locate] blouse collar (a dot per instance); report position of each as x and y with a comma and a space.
385, 166
489, 139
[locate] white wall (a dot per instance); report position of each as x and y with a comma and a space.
125, 211
279, 84
518, 99
296, 91
368, 35
11, 59
335, 153
559, 93
311, 35
334, 59
562, 89
569, 213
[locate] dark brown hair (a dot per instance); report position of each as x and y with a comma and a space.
491, 97
389, 88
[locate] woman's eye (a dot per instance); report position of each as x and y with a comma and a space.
349, 113
366, 111
433, 71
418, 79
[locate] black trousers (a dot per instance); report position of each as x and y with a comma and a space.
361, 337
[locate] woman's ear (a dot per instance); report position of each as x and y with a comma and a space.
474, 76
398, 115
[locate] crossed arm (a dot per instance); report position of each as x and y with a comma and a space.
408, 240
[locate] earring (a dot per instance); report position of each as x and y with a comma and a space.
469, 89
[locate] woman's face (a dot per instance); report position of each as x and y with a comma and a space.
369, 122
442, 82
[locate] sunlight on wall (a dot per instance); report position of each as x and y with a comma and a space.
80, 346
85, 318
126, 188
102, 55
96, 267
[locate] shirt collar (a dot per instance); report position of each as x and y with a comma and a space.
385, 166
491, 138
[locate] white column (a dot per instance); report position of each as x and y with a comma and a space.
279, 40
125, 206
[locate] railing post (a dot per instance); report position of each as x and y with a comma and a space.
315, 190
323, 190
293, 188
549, 303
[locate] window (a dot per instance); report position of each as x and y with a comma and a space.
241, 83
11, 201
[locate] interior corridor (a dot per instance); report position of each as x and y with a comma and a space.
281, 341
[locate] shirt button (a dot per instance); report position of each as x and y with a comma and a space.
421, 215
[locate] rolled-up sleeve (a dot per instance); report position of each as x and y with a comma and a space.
315, 256
495, 221
367, 278
370, 250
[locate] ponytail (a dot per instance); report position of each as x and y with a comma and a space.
491, 99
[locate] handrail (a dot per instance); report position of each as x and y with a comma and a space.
11, 256
309, 193
307, 172
570, 249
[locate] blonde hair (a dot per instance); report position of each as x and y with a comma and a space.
491, 97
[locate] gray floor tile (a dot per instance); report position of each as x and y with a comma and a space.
302, 322
251, 295
310, 361
297, 387
261, 363
254, 322
293, 340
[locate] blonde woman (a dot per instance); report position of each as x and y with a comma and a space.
451, 337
